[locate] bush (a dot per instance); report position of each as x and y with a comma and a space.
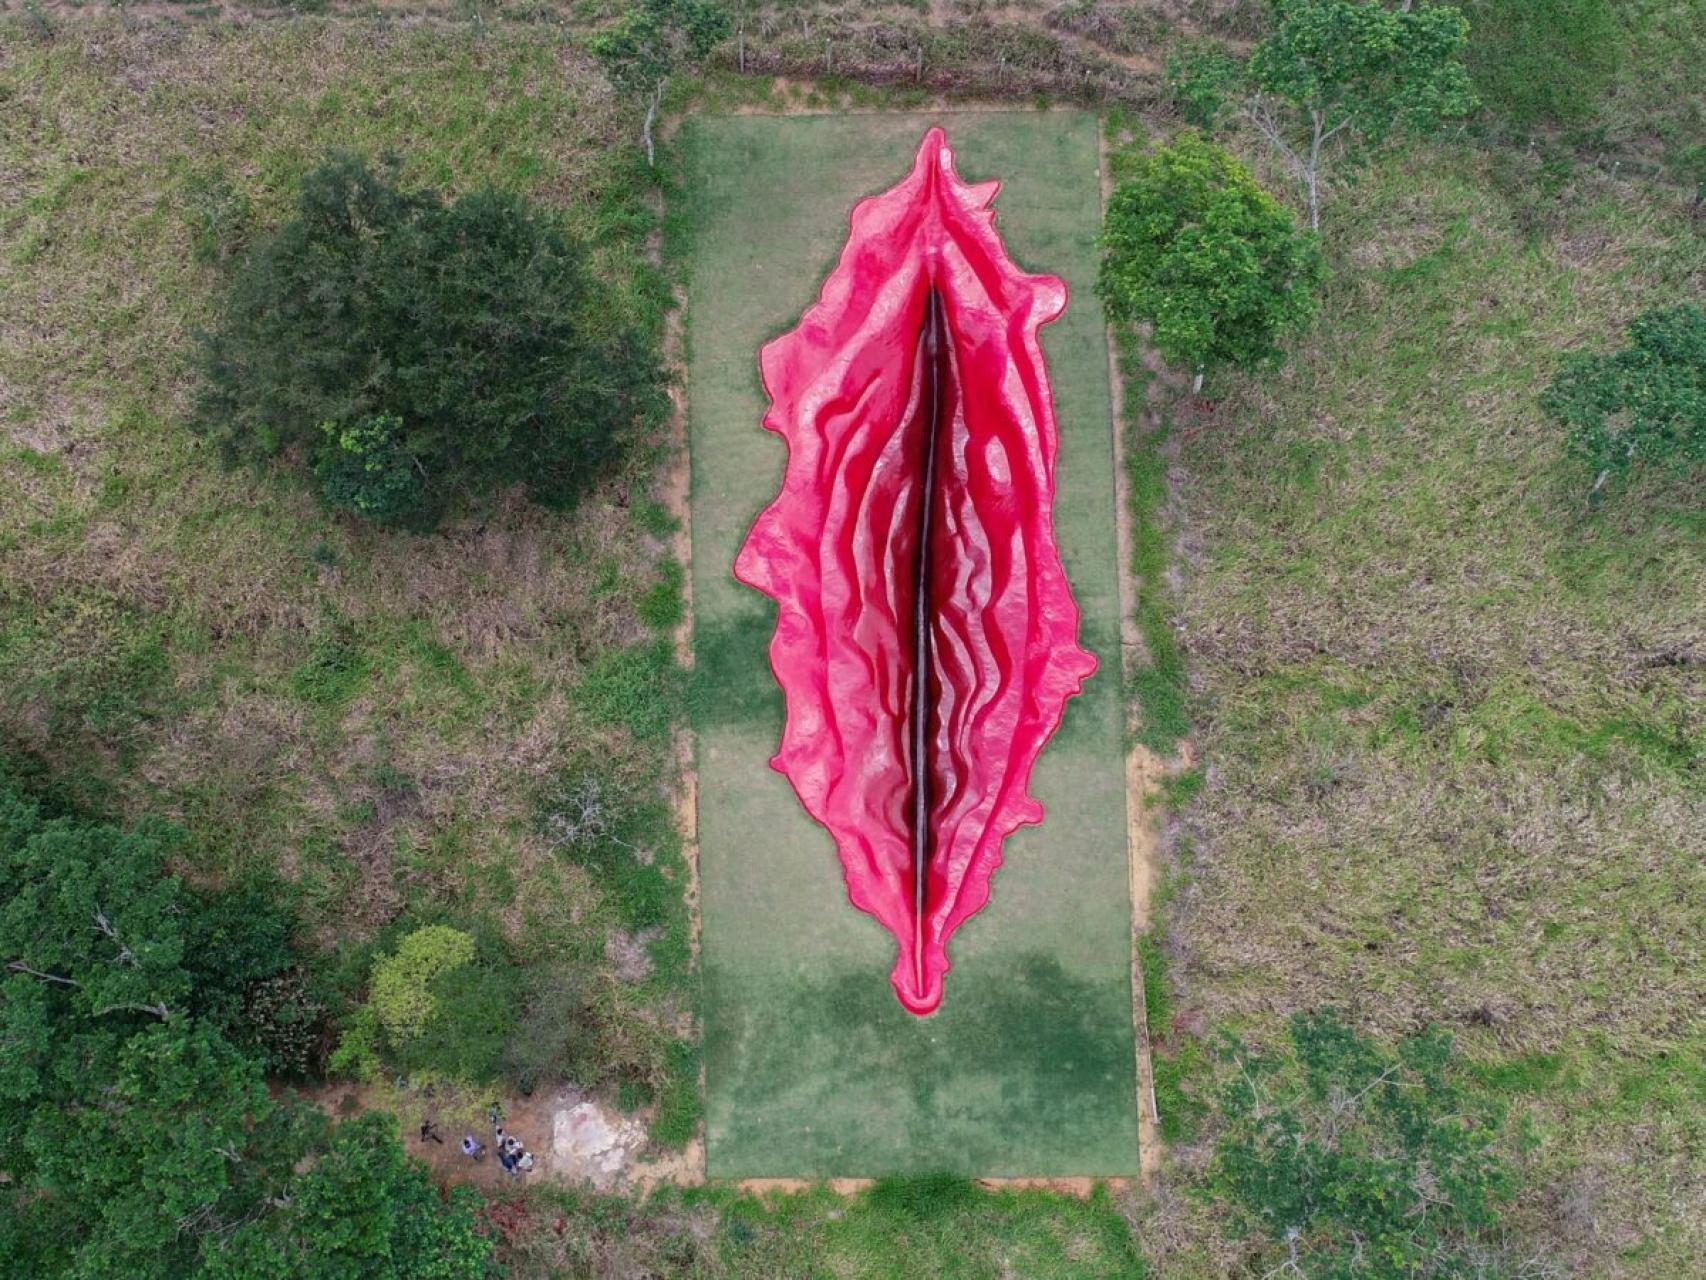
557, 1035
441, 1002
1352, 1158
367, 469
249, 983
401, 996
1643, 405
1215, 264
285, 1023
414, 351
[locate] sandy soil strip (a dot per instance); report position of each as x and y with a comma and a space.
1144, 770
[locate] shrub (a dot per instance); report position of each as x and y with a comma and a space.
285, 1023
1352, 1158
401, 996
473, 1019
414, 351
248, 983
442, 1002
1643, 405
557, 1034
366, 469
1215, 264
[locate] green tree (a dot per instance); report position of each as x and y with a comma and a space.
137, 1140
1644, 405
401, 993
1203, 80
1358, 1161
653, 39
416, 351
362, 1211
1343, 71
440, 1001
1214, 263
365, 468
87, 909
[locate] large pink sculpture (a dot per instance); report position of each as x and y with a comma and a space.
926, 637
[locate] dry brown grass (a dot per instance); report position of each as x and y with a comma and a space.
419, 777
1452, 717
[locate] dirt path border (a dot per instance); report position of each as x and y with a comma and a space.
1144, 770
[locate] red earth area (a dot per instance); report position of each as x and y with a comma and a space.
926, 635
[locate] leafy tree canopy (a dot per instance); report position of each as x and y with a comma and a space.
139, 1140
1204, 80
415, 351
1340, 71
1359, 1161
1366, 67
1214, 263
1643, 405
440, 1002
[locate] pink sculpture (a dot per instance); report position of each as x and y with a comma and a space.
926, 637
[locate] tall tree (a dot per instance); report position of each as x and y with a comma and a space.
1336, 72
1217, 266
643, 48
137, 1140
416, 351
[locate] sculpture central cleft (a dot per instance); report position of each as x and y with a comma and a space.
933, 361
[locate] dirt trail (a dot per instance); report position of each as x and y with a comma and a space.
1145, 770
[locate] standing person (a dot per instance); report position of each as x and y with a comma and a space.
472, 1147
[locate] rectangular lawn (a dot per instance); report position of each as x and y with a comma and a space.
813, 1069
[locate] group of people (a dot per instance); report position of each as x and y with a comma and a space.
513, 1155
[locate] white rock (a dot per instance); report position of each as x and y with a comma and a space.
587, 1142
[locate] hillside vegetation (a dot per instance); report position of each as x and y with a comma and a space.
1446, 705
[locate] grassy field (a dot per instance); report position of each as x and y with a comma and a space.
1449, 716
376, 719
1452, 716
896, 1230
813, 1068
